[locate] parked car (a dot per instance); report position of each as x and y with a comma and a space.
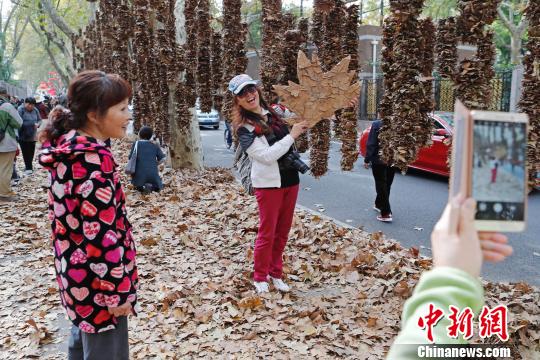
432, 159
207, 119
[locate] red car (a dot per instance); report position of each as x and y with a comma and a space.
431, 159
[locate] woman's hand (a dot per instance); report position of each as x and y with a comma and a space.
298, 129
456, 242
122, 310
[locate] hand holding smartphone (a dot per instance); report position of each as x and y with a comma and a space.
489, 163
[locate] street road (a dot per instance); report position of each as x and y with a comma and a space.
417, 201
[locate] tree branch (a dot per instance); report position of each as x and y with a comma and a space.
10, 16
59, 70
17, 36
57, 19
505, 19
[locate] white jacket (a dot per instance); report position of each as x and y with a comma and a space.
264, 160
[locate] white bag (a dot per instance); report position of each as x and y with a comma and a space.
132, 162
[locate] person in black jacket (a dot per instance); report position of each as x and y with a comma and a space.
382, 173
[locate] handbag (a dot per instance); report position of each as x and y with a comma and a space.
242, 164
132, 162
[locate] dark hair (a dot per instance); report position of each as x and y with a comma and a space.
242, 115
30, 100
89, 91
146, 133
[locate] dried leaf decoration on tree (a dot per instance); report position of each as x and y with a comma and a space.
318, 94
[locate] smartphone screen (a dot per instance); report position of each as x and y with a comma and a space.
499, 169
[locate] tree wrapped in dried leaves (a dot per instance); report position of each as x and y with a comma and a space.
332, 49
141, 47
406, 126
234, 37
302, 142
530, 98
272, 46
190, 13
293, 43
164, 87
348, 121
387, 52
446, 48
204, 89
217, 71
474, 75
427, 64
319, 135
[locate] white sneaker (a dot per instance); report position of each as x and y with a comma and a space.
28, 172
262, 287
280, 284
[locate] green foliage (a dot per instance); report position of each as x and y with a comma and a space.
440, 9
33, 62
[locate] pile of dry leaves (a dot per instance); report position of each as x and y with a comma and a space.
195, 260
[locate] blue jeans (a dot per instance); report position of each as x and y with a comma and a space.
108, 345
229, 133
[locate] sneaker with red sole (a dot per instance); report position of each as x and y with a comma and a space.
387, 218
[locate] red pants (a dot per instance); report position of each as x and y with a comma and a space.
493, 175
276, 210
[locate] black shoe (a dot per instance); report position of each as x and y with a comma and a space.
147, 188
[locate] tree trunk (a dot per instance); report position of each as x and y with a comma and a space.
516, 43
185, 147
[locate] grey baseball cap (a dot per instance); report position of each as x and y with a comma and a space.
238, 82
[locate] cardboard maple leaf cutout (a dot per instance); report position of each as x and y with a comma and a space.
319, 94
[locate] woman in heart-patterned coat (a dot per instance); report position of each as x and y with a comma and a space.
91, 235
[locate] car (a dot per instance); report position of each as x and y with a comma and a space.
432, 159
207, 119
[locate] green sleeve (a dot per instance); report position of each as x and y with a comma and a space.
441, 287
11, 117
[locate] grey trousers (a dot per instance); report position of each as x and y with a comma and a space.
108, 345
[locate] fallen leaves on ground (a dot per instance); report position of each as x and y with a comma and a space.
195, 261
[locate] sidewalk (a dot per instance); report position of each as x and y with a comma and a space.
195, 262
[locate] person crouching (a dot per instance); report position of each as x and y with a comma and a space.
149, 155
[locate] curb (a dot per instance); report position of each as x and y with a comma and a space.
326, 217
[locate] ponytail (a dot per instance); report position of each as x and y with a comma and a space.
60, 121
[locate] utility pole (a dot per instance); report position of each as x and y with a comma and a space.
301, 8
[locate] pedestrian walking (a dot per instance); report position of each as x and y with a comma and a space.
28, 132
383, 174
92, 237
148, 156
494, 167
10, 122
458, 253
274, 174
42, 107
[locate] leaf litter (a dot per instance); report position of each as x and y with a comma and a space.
195, 253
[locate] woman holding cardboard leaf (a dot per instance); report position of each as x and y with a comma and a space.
274, 174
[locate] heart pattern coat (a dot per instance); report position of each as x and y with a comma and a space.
94, 249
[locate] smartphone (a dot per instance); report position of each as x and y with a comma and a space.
498, 180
